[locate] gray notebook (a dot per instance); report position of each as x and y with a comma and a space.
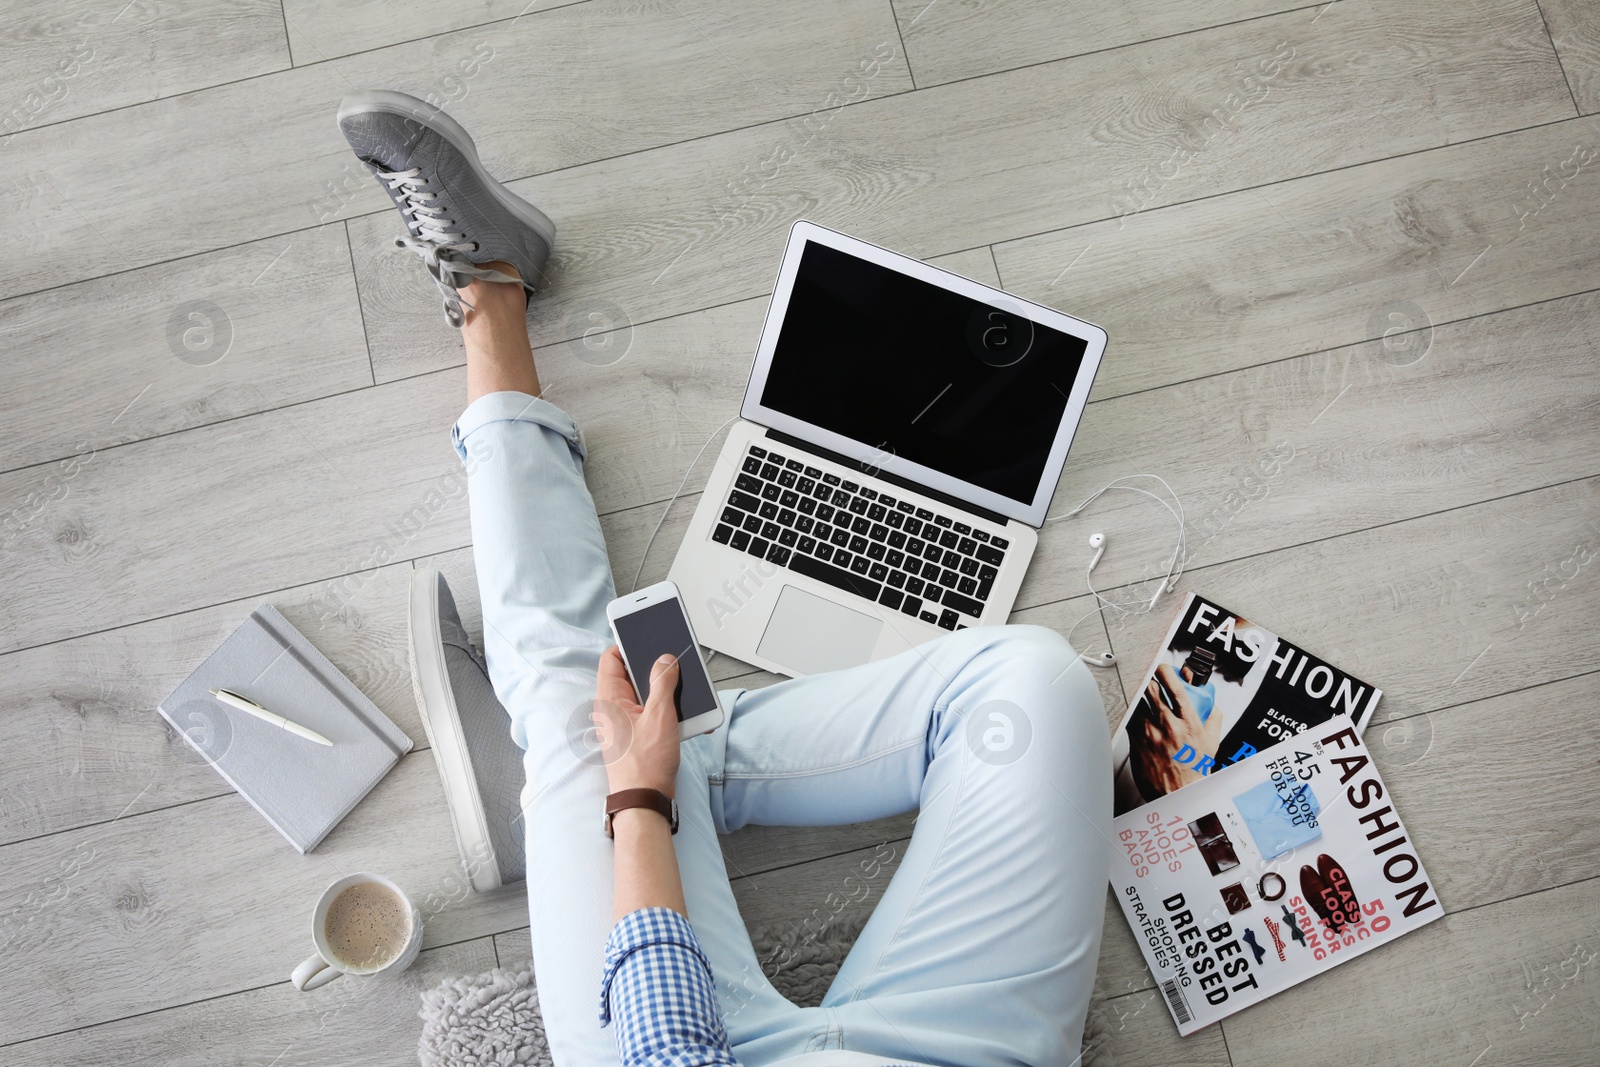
303, 788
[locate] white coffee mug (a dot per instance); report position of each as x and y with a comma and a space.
324, 965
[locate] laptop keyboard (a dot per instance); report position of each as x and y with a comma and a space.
909, 558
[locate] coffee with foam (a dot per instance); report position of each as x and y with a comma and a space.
367, 926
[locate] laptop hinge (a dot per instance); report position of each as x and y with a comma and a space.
905, 483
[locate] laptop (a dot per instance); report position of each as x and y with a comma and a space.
899, 443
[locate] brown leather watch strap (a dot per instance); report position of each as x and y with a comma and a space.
654, 799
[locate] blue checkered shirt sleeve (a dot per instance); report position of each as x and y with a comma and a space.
656, 994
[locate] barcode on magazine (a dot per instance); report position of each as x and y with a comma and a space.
1175, 1001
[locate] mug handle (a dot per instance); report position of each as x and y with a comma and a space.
313, 973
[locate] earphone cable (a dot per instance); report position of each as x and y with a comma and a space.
673, 500
1180, 552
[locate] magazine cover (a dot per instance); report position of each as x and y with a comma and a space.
1266, 873
1221, 689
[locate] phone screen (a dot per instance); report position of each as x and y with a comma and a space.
661, 629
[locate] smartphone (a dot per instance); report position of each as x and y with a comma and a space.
650, 622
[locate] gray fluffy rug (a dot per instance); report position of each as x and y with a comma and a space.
493, 1019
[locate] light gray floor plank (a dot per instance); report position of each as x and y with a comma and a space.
1575, 29
948, 41
81, 741
1509, 983
1465, 802
351, 1022
662, 233
974, 263
231, 510
182, 344
84, 57
813, 896
150, 899
740, 674
550, 90
326, 30
751, 852
1319, 445
515, 948
1324, 260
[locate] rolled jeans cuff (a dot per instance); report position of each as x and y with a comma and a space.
515, 407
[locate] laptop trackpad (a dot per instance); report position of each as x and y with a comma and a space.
811, 635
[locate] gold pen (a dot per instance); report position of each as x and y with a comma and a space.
245, 704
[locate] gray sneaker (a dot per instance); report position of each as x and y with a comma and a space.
457, 216
471, 736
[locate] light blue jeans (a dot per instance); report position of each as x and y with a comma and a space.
982, 949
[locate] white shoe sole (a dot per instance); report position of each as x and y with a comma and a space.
452, 131
430, 681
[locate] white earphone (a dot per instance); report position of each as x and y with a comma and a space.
1097, 541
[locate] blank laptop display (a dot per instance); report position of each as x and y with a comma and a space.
921, 372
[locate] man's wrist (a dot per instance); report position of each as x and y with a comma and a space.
666, 789
647, 797
636, 820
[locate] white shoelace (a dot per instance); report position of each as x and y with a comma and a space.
443, 250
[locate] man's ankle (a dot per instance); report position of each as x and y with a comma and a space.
501, 266
485, 294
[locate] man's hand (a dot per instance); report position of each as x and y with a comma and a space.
639, 744
1158, 730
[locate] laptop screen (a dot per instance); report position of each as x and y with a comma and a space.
921, 372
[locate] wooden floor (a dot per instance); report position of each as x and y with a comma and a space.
1363, 234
